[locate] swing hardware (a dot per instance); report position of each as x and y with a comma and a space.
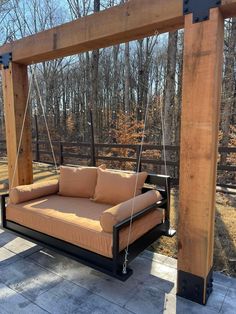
200, 8
192, 287
5, 60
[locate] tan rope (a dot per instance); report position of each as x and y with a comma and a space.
45, 120
136, 182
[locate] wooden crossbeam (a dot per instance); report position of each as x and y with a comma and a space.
132, 20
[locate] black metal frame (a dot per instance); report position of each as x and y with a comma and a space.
5, 60
195, 288
200, 8
110, 266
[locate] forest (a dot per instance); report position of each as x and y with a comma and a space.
120, 84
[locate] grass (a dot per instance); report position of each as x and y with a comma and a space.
225, 233
225, 226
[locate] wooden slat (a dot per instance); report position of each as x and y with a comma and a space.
15, 90
132, 20
202, 76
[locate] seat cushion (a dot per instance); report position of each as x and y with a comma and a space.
77, 221
77, 182
115, 187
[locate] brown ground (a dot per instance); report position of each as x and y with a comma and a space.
225, 228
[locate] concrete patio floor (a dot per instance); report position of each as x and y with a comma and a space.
37, 280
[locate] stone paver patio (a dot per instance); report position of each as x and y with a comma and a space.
37, 280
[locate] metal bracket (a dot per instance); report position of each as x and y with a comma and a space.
200, 8
5, 60
192, 287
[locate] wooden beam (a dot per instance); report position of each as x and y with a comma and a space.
228, 8
132, 20
15, 92
202, 77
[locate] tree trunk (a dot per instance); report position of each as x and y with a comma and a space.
94, 74
169, 92
127, 78
228, 87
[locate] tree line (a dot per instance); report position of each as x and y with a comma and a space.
127, 79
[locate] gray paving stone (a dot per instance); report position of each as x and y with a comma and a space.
111, 289
6, 237
171, 262
144, 269
60, 285
28, 279
229, 305
147, 299
224, 280
177, 305
67, 297
217, 297
99, 283
22, 247
7, 257
97, 305
12, 302
154, 256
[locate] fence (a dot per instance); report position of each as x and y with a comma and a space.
124, 156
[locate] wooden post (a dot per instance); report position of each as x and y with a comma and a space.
15, 93
202, 79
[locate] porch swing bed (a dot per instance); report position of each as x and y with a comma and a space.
93, 232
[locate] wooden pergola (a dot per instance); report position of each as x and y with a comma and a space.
203, 22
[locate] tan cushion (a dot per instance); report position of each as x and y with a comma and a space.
78, 182
25, 193
120, 212
77, 221
115, 187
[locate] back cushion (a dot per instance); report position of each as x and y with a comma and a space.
117, 187
77, 182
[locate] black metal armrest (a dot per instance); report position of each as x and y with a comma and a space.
3, 199
126, 222
139, 214
3, 207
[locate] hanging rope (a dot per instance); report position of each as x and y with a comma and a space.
32, 78
21, 133
124, 271
163, 126
45, 119
135, 190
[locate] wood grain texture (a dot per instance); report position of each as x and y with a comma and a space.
228, 8
15, 91
202, 80
132, 20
